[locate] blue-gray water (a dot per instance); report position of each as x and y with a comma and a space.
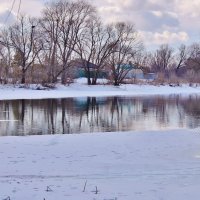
80, 115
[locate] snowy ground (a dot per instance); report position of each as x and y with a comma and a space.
80, 89
123, 166
162, 165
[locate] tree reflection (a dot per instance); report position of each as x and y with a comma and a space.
90, 114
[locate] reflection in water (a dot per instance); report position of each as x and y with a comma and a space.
90, 114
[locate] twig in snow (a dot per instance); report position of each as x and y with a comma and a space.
85, 186
49, 189
96, 190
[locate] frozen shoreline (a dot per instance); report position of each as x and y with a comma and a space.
130, 165
140, 165
80, 89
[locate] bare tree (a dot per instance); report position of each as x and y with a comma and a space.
94, 46
181, 56
162, 58
193, 61
122, 57
62, 22
25, 42
49, 28
5, 56
142, 60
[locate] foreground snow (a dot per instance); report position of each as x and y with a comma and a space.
80, 89
123, 166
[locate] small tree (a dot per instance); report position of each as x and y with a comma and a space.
162, 58
94, 46
181, 56
193, 62
25, 42
127, 46
194, 57
5, 56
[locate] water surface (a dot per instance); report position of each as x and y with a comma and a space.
90, 114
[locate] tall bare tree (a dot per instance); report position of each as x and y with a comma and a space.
181, 56
5, 56
193, 61
94, 46
142, 60
62, 22
49, 28
162, 58
25, 42
121, 60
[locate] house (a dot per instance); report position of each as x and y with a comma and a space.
138, 73
135, 73
78, 69
131, 71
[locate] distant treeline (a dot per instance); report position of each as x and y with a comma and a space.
70, 36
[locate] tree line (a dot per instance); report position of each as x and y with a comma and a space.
48, 48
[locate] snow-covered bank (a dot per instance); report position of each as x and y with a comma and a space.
127, 166
79, 89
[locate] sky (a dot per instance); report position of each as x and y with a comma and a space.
157, 21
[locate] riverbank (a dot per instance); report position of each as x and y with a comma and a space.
131, 165
80, 89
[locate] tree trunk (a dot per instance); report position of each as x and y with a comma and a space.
23, 80
94, 81
88, 78
89, 81
116, 82
63, 77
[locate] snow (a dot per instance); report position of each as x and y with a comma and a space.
123, 166
151, 165
81, 89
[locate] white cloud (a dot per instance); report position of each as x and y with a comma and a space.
188, 7
157, 13
158, 20
118, 3
3, 6
30, 7
7, 17
109, 9
164, 37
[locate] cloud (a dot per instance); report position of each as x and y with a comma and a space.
7, 17
3, 5
173, 21
164, 37
146, 14
157, 13
189, 14
158, 20
30, 7
189, 8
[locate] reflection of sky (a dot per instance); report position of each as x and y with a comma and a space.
97, 115
151, 122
